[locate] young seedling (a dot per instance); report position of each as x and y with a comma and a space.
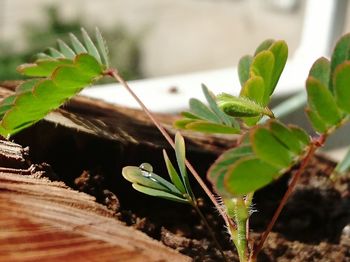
266, 151
145, 181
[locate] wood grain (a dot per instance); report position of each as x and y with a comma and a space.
42, 220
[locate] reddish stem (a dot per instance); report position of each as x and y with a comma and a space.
316, 143
114, 73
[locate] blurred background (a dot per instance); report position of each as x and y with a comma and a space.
149, 38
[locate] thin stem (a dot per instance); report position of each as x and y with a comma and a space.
211, 232
313, 147
114, 73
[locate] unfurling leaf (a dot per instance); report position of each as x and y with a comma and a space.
241, 106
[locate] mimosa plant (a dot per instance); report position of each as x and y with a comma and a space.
267, 149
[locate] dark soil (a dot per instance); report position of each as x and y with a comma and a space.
314, 226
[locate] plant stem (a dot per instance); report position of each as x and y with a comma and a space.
211, 232
316, 143
114, 73
240, 212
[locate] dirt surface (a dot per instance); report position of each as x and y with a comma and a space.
314, 225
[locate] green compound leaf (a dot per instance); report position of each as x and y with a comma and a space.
249, 174
269, 149
174, 176
61, 75
320, 70
317, 123
341, 86
159, 193
218, 170
267, 64
241, 106
341, 53
286, 136
244, 69
322, 102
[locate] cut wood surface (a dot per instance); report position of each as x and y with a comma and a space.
42, 220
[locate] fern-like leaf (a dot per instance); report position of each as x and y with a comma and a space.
59, 75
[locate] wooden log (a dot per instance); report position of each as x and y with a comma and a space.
42, 220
